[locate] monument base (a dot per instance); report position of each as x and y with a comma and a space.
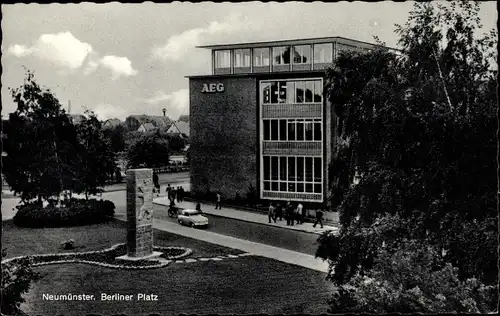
154, 255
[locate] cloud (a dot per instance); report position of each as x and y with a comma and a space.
119, 66
62, 49
108, 111
68, 54
177, 46
176, 103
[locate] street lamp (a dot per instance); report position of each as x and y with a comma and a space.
164, 111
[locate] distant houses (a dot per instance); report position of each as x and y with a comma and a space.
179, 128
133, 122
111, 123
76, 118
146, 127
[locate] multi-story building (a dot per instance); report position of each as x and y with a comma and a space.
261, 119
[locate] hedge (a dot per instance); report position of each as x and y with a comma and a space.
72, 212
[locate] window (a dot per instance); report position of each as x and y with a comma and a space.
274, 168
308, 127
291, 169
283, 130
274, 92
317, 169
266, 92
290, 92
309, 187
267, 167
274, 129
300, 168
317, 130
302, 54
282, 91
309, 169
300, 129
242, 57
291, 129
222, 59
283, 168
267, 185
323, 53
274, 186
318, 91
299, 91
309, 91
267, 130
317, 188
261, 57
281, 55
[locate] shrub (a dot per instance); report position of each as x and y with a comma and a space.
16, 280
73, 212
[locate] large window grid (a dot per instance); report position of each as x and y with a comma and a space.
292, 130
323, 53
292, 91
296, 174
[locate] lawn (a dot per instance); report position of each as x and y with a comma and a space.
235, 286
232, 286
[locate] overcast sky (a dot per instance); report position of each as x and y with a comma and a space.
121, 59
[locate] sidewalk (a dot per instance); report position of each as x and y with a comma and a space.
283, 255
247, 216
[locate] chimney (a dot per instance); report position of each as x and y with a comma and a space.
69, 106
164, 112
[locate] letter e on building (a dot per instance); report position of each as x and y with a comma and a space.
212, 88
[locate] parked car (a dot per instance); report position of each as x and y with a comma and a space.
192, 218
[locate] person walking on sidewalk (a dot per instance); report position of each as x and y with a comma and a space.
303, 215
198, 207
279, 212
181, 194
319, 218
156, 183
168, 190
298, 213
271, 213
289, 214
218, 204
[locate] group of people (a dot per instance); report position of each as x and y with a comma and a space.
291, 213
175, 194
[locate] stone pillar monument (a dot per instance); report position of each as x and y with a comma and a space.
139, 215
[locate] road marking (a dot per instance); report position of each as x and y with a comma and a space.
190, 260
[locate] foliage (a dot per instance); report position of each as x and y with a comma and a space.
116, 136
150, 150
96, 160
39, 141
72, 212
408, 131
184, 118
413, 278
16, 280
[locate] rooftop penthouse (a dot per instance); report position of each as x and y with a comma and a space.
281, 56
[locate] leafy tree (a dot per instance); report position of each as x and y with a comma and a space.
96, 159
150, 150
409, 131
116, 137
39, 141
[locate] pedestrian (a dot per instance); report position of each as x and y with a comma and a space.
319, 217
271, 213
168, 190
289, 213
298, 213
218, 204
156, 183
279, 212
173, 194
198, 207
303, 215
179, 194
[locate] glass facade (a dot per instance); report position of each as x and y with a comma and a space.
323, 53
292, 91
291, 143
242, 57
302, 54
281, 55
261, 57
223, 59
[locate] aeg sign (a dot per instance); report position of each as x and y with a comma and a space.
212, 87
